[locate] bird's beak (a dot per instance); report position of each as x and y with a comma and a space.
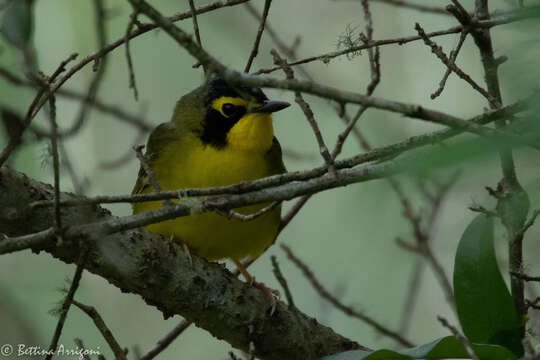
271, 106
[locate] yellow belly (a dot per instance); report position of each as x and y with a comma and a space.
211, 235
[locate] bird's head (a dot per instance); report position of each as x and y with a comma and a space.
222, 116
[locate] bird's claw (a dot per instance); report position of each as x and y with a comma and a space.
272, 294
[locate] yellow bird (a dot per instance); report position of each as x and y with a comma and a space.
218, 135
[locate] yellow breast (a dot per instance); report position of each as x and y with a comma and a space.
190, 164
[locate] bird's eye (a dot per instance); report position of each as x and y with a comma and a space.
228, 109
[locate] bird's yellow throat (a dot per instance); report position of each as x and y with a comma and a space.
253, 132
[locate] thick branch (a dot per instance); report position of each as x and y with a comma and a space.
139, 262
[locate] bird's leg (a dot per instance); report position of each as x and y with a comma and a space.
271, 293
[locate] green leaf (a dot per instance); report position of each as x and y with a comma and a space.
444, 348
17, 23
485, 307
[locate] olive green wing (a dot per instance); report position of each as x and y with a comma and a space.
274, 157
162, 135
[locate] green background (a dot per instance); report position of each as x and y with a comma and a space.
346, 235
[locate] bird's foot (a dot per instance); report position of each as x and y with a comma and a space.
272, 294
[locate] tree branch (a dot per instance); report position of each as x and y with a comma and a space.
139, 262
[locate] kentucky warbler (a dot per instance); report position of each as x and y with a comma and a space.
218, 135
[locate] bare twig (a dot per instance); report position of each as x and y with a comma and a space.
66, 304
323, 149
494, 21
252, 216
462, 339
514, 206
147, 170
56, 165
288, 51
375, 71
15, 140
334, 301
119, 353
453, 56
99, 69
132, 82
237, 78
39, 101
525, 277
166, 341
195, 22
255, 49
381, 153
282, 281
437, 50
116, 111
423, 237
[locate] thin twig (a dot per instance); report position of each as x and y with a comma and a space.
423, 237
525, 277
326, 57
237, 78
56, 165
515, 196
437, 50
282, 281
496, 20
255, 49
252, 216
323, 149
119, 353
195, 22
147, 170
381, 153
99, 69
166, 341
462, 339
66, 304
453, 56
39, 100
114, 110
15, 140
334, 301
375, 71
288, 51
132, 82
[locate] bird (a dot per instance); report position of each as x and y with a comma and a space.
218, 135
